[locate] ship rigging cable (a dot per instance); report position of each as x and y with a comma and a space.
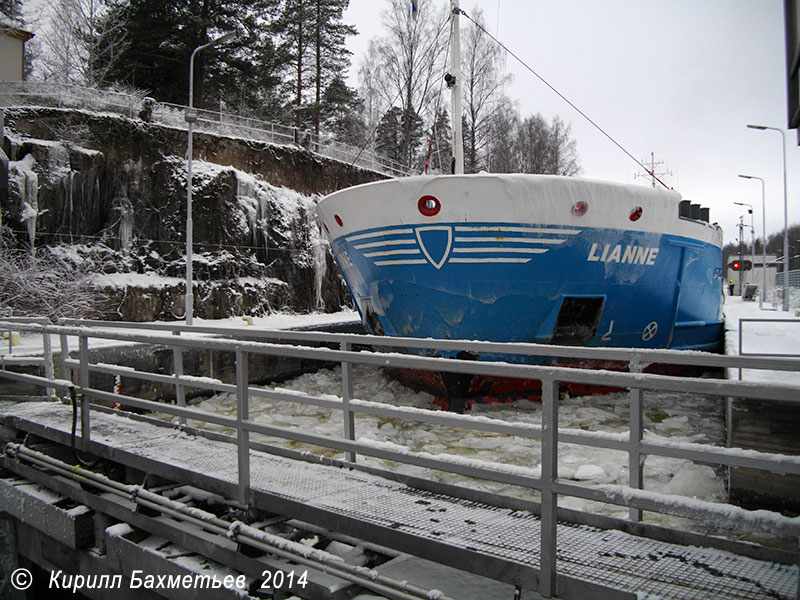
564, 98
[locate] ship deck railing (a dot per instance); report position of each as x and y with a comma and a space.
339, 348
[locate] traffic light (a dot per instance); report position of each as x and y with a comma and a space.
740, 265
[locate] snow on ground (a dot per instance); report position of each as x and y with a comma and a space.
777, 338
30, 344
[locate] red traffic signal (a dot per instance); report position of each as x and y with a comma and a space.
744, 265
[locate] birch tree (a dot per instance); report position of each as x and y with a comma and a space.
482, 86
81, 42
410, 65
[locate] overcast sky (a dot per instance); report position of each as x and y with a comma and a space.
681, 79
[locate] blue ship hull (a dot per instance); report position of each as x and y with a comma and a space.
550, 277
675, 305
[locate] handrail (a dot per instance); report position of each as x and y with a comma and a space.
544, 479
642, 355
764, 354
171, 115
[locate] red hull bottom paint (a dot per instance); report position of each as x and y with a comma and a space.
459, 393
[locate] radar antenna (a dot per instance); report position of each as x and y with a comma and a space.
650, 167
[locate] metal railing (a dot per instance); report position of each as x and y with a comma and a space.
34, 93
794, 278
43, 361
782, 322
546, 480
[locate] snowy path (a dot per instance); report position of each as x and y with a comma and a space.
777, 339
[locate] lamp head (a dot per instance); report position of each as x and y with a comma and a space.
761, 127
222, 39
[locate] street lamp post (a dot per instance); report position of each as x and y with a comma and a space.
190, 117
785, 218
762, 297
752, 233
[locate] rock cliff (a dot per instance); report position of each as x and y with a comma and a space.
110, 192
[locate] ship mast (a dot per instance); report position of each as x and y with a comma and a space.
453, 80
651, 172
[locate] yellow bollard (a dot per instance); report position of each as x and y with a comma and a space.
14, 337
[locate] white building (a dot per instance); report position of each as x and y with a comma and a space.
12, 49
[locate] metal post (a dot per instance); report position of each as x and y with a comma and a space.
763, 295
189, 306
83, 352
549, 515
785, 229
741, 255
180, 389
63, 356
242, 415
47, 348
635, 458
763, 247
347, 395
190, 117
458, 143
785, 217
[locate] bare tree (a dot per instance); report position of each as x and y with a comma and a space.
79, 44
502, 154
370, 87
42, 284
410, 62
483, 84
546, 148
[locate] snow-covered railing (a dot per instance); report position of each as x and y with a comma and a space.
782, 323
545, 479
43, 361
42, 93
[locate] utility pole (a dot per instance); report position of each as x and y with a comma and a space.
741, 253
652, 173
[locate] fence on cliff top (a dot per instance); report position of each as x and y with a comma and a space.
41, 93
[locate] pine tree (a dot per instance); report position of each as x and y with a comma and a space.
11, 9
440, 144
293, 50
313, 48
331, 57
399, 134
340, 111
164, 33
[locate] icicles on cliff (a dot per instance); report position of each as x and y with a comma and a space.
122, 208
255, 200
23, 183
287, 218
319, 245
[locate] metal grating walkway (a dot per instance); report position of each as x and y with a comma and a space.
603, 557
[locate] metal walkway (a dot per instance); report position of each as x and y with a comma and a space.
505, 542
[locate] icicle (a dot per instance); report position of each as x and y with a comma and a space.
319, 246
58, 158
25, 181
263, 220
122, 205
245, 196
